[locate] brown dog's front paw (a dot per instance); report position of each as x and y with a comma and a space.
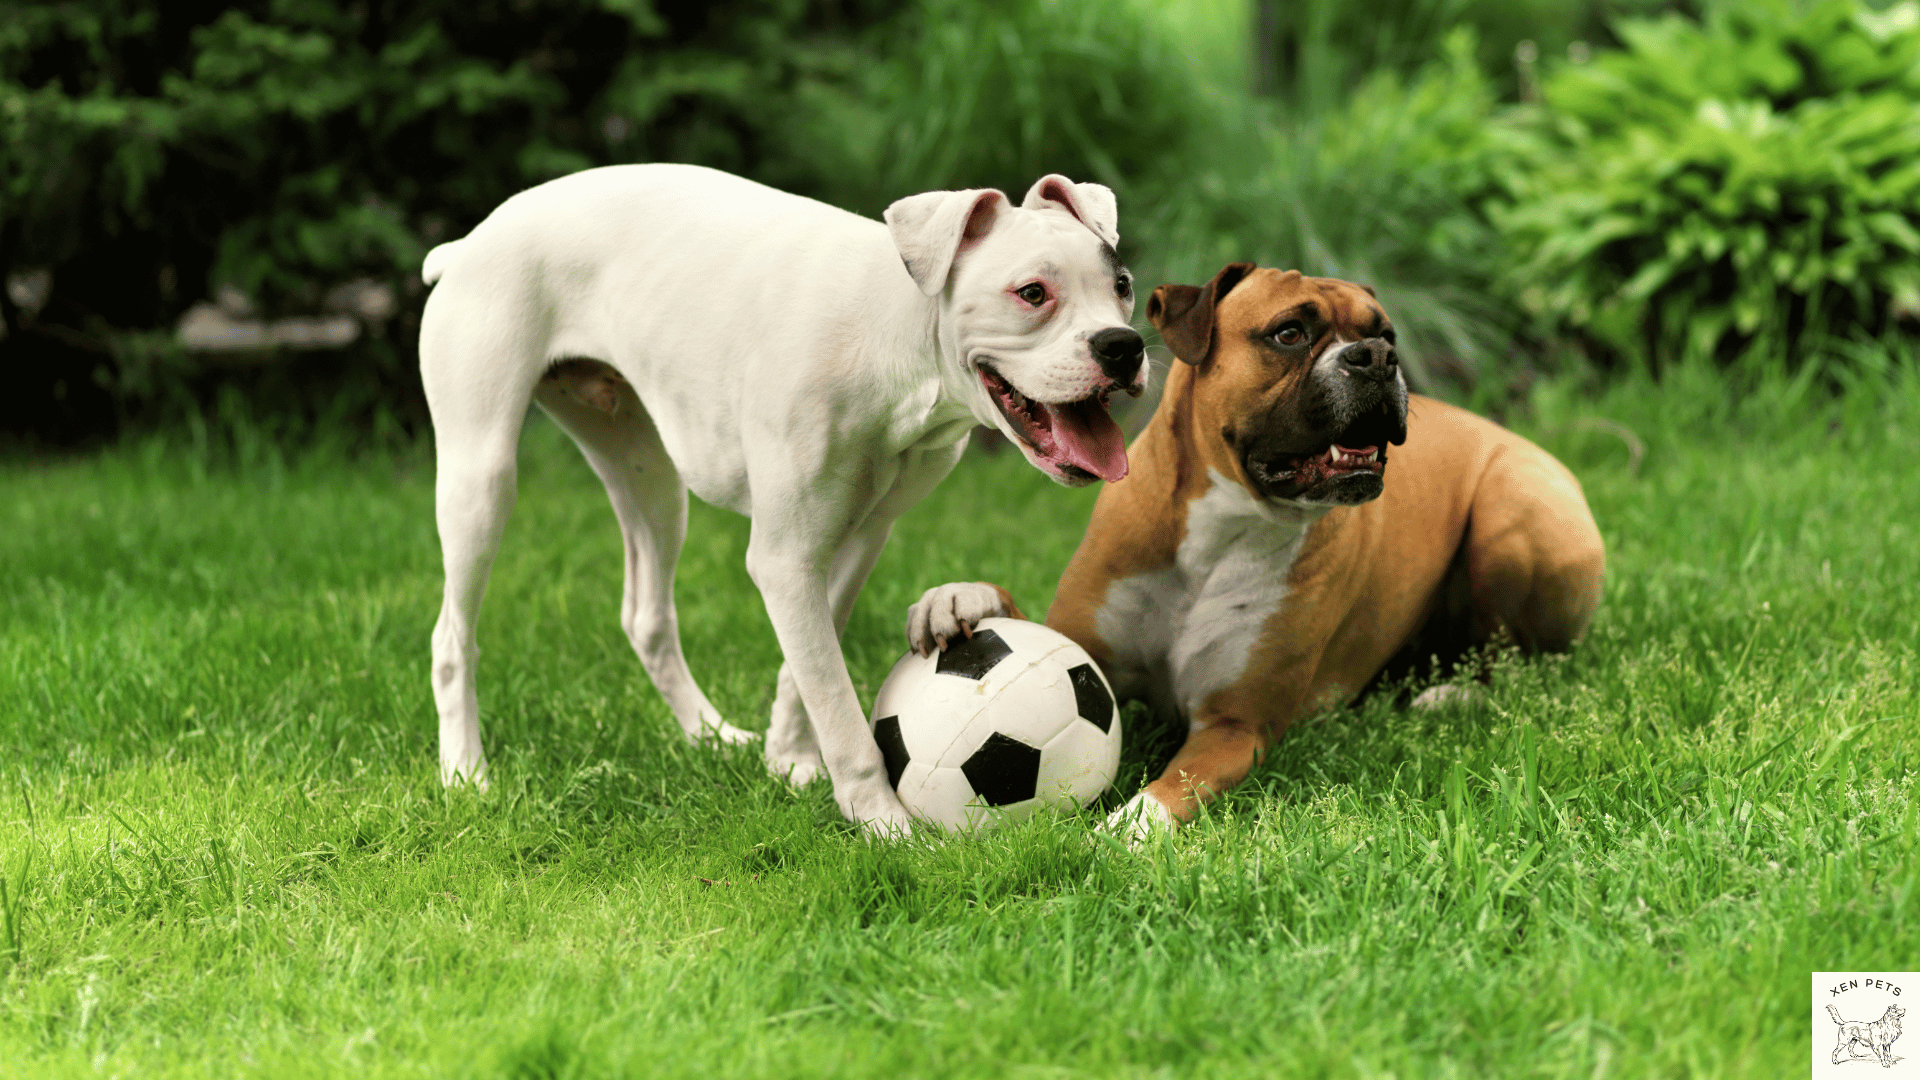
1445, 696
1140, 818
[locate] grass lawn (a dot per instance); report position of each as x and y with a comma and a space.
226, 853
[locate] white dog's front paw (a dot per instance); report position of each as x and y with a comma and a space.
945, 612
879, 812
1140, 818
714, 731
463, 770
798, 769
1440, 697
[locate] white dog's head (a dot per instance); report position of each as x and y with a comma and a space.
1034, 307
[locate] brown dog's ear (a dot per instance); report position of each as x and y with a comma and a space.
1370, 291
1184, 314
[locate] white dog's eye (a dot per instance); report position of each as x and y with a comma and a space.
1035, 293
1123, 285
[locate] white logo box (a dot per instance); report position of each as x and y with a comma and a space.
1874, 1035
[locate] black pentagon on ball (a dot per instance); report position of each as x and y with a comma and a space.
893, 748
1004, 770
973, 657
1093, 697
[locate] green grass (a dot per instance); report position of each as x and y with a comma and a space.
226, 853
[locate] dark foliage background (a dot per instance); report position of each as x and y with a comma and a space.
158, 151
1529, 184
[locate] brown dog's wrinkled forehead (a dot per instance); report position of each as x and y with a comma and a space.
1243, 298
1266, 294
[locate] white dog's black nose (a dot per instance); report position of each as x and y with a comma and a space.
1119, 351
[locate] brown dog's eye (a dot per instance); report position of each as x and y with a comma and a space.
1035, 294
1290, 335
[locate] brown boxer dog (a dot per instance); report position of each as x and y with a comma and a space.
1262, 560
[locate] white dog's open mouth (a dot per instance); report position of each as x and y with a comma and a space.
1075, 438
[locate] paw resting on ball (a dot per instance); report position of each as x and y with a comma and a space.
947, 612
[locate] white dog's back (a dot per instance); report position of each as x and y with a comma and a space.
572, 269
587, 211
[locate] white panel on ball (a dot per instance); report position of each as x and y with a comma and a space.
947, 799
1031, 707
1080, 762
914, 780
913, 689
1029, 639
1035, 708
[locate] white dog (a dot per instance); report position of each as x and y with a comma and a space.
805, 366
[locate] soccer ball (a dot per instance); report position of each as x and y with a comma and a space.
1012, 719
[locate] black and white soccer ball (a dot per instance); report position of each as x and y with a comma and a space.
1015, 718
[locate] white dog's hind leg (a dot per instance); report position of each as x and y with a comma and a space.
793, 751
650, 502
472, 499
476, 437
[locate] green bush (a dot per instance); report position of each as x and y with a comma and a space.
157, 152
1320, 50
286, 146
1750, 180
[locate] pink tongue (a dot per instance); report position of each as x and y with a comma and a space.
1086, 436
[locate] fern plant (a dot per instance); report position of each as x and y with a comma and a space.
1748, 181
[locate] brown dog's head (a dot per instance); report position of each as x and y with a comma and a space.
1296, 375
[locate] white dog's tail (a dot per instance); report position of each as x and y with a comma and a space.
437, 260
1831, 1011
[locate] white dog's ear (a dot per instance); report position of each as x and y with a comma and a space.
931, 229
1092, 203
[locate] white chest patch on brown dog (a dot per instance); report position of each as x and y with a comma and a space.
1191, 627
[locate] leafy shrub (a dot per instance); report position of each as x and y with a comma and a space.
1745, 181
1711, 186
1319, 50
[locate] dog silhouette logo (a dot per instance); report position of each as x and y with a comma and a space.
1857, 1017
1861, 1040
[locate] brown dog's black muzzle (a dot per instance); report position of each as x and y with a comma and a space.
1358, 399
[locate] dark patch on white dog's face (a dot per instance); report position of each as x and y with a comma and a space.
1122, 277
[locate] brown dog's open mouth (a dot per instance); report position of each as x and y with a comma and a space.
1076, 438
1338, 460
1292, 476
